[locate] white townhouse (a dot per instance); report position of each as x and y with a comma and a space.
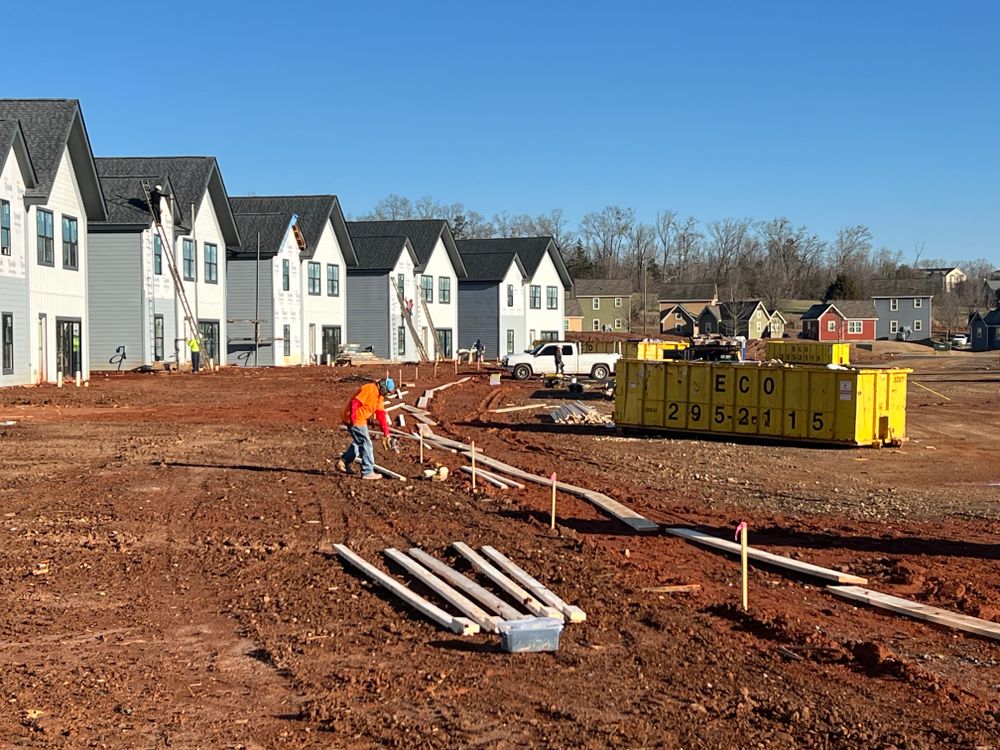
134, 302
439, 269
544, 290
297, 291
56, 206
492, 296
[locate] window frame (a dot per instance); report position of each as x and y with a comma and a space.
551, 298
314, 275
618, 324
211, 266
7, 343
45, 244
510, 341
510, 295
401, 340
444, 290
286, 340
190, 262
596, 325
157, 255
855, 327
917, 303
595, 303
332, 280
286, 275
893, 326
5, 233
918, 325
893, 304
618, 301
831, 325
427, 288
535, 297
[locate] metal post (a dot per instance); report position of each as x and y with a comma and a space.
256, 305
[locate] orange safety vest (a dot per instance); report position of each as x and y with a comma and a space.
371, 402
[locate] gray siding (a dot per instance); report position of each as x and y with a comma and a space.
241, 290
904, 317
479, 302
14, 299
116, 300
368, 311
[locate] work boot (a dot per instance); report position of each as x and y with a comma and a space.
342, 467
373, 475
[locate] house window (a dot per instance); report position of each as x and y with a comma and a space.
401, 340
401, 284
427, 288
597, 325
618, 301
190, 260
444, 290
595, 304
893, 326
531, 336
679, 328
565, 324
550, 335
332, 280
551, 298
831, 325
314, 283
46, 238
211, 263
510, 295
158, 338
917, 302
893, 305
7, 348
70, 243
4, 227
286, 340
286, 275
209, 330
854, 327
618, 323
536, 297
510, 340
759, 326
157, 255
678, 316
918, 325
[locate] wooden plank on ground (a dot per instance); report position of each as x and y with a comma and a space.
607, 504
482, 618
470, 587
769, 558
680, 588
528, 601
938, 616
459, 625
487, 477
508, 566
384, 471
507, 409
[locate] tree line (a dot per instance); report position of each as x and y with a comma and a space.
770, 259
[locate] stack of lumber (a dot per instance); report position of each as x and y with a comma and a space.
578, 413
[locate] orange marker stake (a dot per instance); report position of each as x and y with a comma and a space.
552, 522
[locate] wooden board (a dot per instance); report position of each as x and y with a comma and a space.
519, 408
680, 588
459, 625
769, 558
486, 477
384, 471
604, 503
938, 616
482, 618
467, 585
508, 566
526, 600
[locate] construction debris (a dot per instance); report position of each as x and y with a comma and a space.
579, 413
682, 588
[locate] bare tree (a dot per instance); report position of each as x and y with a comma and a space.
391, 208
606, 235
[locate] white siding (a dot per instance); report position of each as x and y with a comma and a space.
512, 316
410, 290
161, 286
544, 319
13, 271
324, 310
288, 305
443, 316
56, 292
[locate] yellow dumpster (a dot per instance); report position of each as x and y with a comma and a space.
802, 352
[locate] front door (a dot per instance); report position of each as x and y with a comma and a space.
444, 343
68, 346
209, 330
331, 341
43, 347
312, 344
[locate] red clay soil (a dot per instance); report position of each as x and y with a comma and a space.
168, 581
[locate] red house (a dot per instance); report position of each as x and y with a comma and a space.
843, 320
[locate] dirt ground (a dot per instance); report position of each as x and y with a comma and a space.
166, 579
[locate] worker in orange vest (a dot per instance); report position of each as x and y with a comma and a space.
368, 402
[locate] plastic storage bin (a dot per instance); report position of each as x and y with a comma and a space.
536, 634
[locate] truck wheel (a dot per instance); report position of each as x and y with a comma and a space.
600, 372
522, 372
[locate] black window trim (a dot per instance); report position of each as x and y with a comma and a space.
215, 264
6, 250
194, 258
8, 367
52, 250
76, 245
319, 278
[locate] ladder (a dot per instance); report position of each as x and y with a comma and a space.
409, 320
167, 251
430, 324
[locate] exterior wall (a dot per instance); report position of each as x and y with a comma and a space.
287, 306
707, 322
982, 336
442, 316
368, 310
53, 291
117, 300
607, 314
573, 324
14, 273
775, 327
537, 321
242, 304
669, 324
481, 317
410, 290
757, 325
511, 316
161, 287
323, 310
905, 317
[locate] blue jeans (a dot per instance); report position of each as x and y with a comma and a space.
361, 445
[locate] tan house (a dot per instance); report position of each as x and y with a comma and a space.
573, 315
606, 304
748, 318
678, 320
693, 297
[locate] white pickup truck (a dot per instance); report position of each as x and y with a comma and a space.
542, 360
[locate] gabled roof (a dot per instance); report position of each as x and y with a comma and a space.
381, 253
602, 287
849, 309
922, 287
679, 309
530, 250
712, 310
423, 234
740, 309
50, 127
313, 212
816, 311
126, 201
190, 177
990, 318
571, 308
12, 138
489, 266
687, 292
779, 314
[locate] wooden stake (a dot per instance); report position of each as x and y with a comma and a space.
741, 534
400, 383
421, 431
472, 445
456, 365
416, 373
435, 369
552, 523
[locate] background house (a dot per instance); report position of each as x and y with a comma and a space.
991, 289
946, 278
984, 330
694, 297
492, 298
842, 320
378, 316
678, 320
606, 303
545, 288
904, 308
573, 317
748, 318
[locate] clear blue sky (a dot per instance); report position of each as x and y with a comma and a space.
881, 113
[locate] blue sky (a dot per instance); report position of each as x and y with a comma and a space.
882, 113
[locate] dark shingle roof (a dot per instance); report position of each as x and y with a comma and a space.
572, 308
12, 137
814, 312
381, 253
992, 318
677, 308
126, 201
922, 287
686, 292
602, 287
530, 250
266, 213
489, 266
738, 310
856, 308
189, 177
423, 234
51, 126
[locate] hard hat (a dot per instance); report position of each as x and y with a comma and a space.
390, 384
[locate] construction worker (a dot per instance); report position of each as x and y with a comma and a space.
195, 348
559, 360
368, 402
